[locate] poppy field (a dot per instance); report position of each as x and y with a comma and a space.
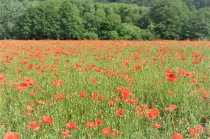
104, 89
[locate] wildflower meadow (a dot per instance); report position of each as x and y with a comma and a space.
104, 89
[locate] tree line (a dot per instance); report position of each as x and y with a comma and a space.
105, 19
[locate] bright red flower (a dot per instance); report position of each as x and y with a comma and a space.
195, 62
115, 132
126, 94
193, 133
58, 96
72, 125
25, 84
111, 103
60, 81
120, 112
199, 128
2, 77
93, 80
34, 125
98, 122
106, 131
137, 67
139, 113
47, 120
177, 136
144, 106
90, 124
171, 108
171, 77
55, 83
32, 94
11, 135
83, 94
171, 92
100, 98
153, 113
29, 107
133, 102
118, 89
30, 66
157, 125
65, 133
94, 95
19, 70
40, 102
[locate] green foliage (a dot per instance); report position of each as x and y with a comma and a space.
90, 36
108, 27
104, 19
129, 32
9, 13
198, 26
169, 17
147, 35
130, 13
2, 32
70, 22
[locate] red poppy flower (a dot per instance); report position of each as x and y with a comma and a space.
65, 133
153, 113
2, 77
55, 83
177, 136
32, 94
29, 107
111, 103
72, 125
171, 92
47, 120
137, 67
94, 95
133, 102
11, 135
193, 133
120, 112
34, 125
40, 102
118, 89
115, 132
144, 106
90, 124
125, 94
171, 108
98, 122
93, 80
83, 94
58, 96
100, 98
19, 70
171, 77
157, 125
199, 128
139, 113
106, 131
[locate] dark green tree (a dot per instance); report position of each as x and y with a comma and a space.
108, 28
51, 29
129, 32
71, 26
169, 17
198, 26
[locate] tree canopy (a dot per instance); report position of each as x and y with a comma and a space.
105, 19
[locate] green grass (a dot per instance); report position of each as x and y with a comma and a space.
149, 86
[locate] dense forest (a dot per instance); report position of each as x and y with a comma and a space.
105, 19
